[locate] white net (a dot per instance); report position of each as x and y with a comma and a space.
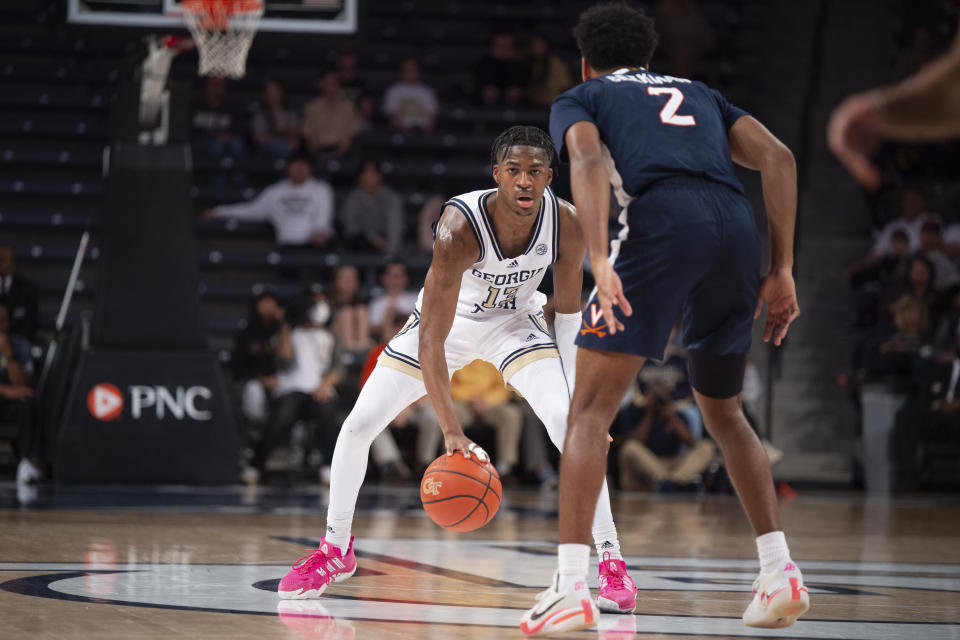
223, 33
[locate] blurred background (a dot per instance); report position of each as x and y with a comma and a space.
223, 336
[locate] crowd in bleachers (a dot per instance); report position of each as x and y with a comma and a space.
907, 287
348, 152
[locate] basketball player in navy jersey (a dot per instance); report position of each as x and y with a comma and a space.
479, 301
688, 249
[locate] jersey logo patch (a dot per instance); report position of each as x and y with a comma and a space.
513, 265
541, 249
530, 337
592, 325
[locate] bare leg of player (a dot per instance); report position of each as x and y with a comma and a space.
602, 379
543, 385
779, 594
745, 459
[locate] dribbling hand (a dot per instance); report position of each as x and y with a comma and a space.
610, 295
459, 442
780, 294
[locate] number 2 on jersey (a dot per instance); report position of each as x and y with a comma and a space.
668, 115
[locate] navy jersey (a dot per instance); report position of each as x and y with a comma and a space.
655, 126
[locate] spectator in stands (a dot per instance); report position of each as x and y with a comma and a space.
660, 448
873, 274
410, 104
19, 295
428, 215
16, 396
499, 76
216, 133
350, 319
931, 414
917, 284
932, 248
257, 353
549, 75
353, 86
330, 122
300, 208
394, 300
275, 128
685, 35
892, 355
913, 215
372, 216
479, 395
305, 389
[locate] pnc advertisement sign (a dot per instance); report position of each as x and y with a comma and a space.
147, 417
106, 402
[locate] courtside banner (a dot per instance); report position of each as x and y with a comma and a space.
147, 417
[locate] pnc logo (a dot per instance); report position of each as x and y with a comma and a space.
431, 487
105, 402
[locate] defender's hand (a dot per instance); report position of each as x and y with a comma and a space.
853, 136
459, 442
780, 294
610, 295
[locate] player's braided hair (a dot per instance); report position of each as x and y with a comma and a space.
524, 136
613, 35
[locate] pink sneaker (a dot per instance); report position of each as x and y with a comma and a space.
313, 573
618, 594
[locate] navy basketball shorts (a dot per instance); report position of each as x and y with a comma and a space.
691, 253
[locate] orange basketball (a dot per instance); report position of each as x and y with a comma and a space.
460, 494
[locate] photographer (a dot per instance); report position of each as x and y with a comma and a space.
16, 395
661, 449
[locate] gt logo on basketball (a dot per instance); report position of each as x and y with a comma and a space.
105, 402
431, 486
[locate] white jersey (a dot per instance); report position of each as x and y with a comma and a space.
495, 284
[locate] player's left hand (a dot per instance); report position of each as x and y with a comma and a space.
610, 295
780, 293
459, 442
853, 136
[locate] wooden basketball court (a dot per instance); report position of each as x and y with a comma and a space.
205, 564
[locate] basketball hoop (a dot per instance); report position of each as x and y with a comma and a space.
223, 31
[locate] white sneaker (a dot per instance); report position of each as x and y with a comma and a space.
27, 473
571, 610
779, 598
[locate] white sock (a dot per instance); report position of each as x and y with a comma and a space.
605, 540
338, 529
572, 560
773, 551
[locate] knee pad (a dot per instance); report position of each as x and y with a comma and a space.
716, 376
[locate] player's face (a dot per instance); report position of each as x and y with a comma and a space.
523, 175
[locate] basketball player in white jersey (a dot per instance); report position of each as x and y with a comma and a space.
479, 301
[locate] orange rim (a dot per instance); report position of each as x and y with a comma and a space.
215, 14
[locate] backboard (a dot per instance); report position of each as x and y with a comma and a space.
281, 16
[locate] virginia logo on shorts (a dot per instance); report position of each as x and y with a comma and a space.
596, 315
431, 487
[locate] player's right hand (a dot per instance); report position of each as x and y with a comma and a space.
780, 293
459, 442
610, 295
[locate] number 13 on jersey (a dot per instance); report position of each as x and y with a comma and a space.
668, 115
